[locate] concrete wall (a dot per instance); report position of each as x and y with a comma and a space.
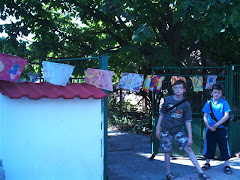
51, 139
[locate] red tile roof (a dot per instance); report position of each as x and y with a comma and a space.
17, 90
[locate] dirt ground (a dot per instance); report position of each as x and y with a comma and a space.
128, 160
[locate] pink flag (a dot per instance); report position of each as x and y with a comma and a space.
11, 67
99, 78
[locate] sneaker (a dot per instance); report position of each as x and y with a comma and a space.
206, 166
203, 176
227, 170
170, 176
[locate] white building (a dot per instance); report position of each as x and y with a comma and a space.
50, 132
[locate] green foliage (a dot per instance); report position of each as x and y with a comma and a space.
147, 33
142, 34
126, 117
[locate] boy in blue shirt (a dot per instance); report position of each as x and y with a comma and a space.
216, 132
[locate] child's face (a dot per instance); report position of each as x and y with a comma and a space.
179, 90
216, 94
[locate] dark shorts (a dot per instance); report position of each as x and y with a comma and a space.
167, 141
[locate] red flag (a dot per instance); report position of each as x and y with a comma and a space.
11, 67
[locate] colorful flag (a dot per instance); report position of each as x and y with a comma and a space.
197, 82
150, 82
11, 67
131, 81
99, 78
158, 87
211, 79
175, 78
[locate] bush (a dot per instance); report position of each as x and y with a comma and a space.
125, 116
128, 119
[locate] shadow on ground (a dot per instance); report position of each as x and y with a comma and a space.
128, 160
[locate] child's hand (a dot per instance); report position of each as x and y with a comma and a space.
212, 129
158, 133
189, 142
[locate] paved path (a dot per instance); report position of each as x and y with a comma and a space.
128, 160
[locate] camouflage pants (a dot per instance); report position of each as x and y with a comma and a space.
167, 141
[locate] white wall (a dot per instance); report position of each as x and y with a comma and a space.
51, 139
1, 117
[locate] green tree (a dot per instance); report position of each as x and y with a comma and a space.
136, 34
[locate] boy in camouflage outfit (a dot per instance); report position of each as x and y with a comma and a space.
172, 124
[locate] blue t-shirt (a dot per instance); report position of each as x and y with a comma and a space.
219, 110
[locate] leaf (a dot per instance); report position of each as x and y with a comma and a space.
235, 19
142, 34
185, 6
201, 6
185, 31
176, 16
1, 28
217, 26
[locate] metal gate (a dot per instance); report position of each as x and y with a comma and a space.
228, 76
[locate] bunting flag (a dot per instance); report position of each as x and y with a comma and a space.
158, 87
150, 82
11, 67
57, 73
211, 79
131, 81
99, 78
197, 82
175, 78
